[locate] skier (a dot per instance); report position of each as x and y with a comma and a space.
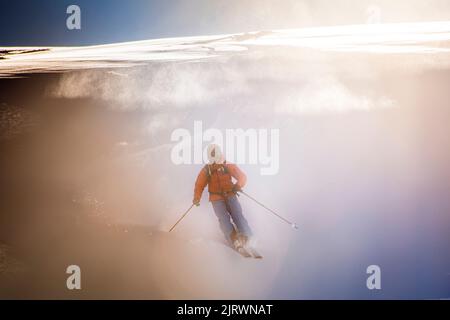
218, 174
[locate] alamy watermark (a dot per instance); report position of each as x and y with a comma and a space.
73, 21
374, 280
250, 146
73, 282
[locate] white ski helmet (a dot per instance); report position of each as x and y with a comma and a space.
215, 154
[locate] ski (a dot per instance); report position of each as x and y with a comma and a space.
243, 252
248, 252
255, 254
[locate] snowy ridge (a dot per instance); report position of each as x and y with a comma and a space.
430, 37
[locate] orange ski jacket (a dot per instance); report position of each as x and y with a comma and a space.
218, 178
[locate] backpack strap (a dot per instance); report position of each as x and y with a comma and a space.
225, 168
207, 169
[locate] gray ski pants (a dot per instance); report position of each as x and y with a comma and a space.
231, 211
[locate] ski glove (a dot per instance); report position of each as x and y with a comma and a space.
196, 202
236, 188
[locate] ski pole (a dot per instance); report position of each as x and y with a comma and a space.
293, 225
182, 217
